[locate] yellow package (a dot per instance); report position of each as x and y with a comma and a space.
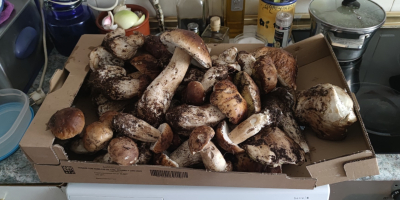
266, 17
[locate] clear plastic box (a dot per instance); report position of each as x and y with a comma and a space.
15, 117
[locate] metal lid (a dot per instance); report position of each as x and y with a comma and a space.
193, 27
348, 13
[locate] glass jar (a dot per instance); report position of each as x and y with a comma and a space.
195, 11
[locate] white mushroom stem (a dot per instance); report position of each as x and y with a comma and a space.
250, 127
183, 157
135, 128
213, 158
156, 99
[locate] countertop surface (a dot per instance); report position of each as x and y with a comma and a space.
17, 169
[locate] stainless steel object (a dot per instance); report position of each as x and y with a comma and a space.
347, 28
21, 49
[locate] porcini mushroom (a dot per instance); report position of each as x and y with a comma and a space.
327, 109
265, 74
249, 91
246, 62
156, 99
271, 146
285, 64
188, 117
121, 46
103, 158
227, 98
281, 100
194, 94
123, 151
138, 129
164, 160
100, 57
97, 136
248, 128
125, 87
213, 75
66, 123
183, 157
200, 142
148, 65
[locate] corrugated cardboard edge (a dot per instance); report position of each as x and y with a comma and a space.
87, 172
37, 142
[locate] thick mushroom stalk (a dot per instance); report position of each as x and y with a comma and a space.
273, 147
138, 129
251, 126
157, 98
200, 141
183, 157
281, 101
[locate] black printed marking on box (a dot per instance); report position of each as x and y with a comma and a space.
68, 169
169, 174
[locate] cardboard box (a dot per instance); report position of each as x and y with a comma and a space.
328, 162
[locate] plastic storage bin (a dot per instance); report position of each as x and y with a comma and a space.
15, 117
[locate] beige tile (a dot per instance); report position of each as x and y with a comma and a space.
396, 6
302, 6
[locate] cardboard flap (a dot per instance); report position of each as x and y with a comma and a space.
333, 171
60, 152
361, 168
58, 79
37, 141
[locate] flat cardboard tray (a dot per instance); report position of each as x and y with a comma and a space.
328, 162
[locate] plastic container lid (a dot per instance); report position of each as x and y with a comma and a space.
15, 117
250, 38
368, 14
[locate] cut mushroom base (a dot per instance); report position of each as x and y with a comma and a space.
251, 126
200, 142
138, 129
183, 157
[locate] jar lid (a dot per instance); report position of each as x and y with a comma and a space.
348, 13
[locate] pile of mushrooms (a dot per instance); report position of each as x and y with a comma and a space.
237, 111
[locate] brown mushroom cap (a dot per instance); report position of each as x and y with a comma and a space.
164, 160
200, 138
190, 42
194, 94
66, 123
123, 151
223, 140
165, 140
97, 136
108, 117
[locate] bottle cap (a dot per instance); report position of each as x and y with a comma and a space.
283, 19
193, 27
215, 23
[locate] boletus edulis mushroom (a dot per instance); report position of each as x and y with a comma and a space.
66, 123
123, 151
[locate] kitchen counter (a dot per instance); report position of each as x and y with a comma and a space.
17, 169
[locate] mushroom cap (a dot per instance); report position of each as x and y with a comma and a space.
66, 123
123, 151
164, 160
200, 138
223, 140
165, 140
190, 42
194, 94
108, 117
97, 136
